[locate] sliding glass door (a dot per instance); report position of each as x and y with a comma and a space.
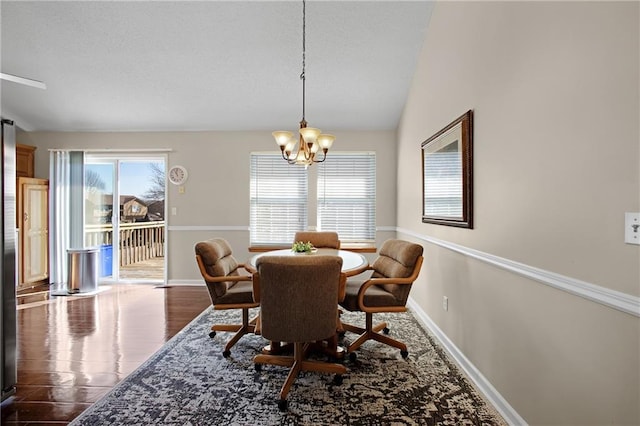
124, 216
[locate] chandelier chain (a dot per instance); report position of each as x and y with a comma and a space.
311, 142
304, 53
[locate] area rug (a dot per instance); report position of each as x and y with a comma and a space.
189, 382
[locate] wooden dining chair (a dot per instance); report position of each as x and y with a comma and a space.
319, 239
386, 290
298, 298
228, 289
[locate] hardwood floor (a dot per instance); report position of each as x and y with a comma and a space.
73, 349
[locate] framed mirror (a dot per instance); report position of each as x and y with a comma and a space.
447, 175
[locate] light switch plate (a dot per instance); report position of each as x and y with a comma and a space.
632, 228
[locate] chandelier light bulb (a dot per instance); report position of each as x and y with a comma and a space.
282, 137
310, 134
288, 148
325, 141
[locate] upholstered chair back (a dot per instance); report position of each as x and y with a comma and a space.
298, 296
219, 262
319, 239
397, 259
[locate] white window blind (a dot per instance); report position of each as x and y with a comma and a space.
278, 200
347, 196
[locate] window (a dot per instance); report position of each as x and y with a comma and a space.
347, 196
346, 188
278, 200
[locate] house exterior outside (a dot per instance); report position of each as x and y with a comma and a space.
99, 209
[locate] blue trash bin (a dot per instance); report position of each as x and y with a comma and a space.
106, 260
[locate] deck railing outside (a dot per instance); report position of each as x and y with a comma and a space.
139, 241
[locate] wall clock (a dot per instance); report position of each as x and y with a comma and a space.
177, 175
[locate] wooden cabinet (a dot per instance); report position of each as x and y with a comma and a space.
33, 241
25, 164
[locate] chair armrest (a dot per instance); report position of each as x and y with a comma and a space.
256, 287
226, 278
378, 281
342, 287
244, 266
222, 279
367, 268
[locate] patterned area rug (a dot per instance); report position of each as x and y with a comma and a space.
189, 382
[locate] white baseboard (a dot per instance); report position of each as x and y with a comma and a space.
185, 283
483, 385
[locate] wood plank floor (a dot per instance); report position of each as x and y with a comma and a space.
73, 349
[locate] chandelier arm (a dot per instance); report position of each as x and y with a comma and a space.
324, 157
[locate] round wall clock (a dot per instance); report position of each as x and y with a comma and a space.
177, 175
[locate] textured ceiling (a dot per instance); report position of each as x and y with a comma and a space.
211, 65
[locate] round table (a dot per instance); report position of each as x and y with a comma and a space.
352, 263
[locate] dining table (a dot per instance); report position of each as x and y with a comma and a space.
352, 264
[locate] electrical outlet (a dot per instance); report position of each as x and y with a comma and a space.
632, 228
445, 303
174, 211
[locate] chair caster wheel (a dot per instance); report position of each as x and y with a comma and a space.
226, 354
337, 380
212, 334
257, 367
282, 405
385, 330
404, 354
353, 357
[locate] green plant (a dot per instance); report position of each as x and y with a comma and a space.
301, 247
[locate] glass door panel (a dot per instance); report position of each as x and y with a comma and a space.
142, 188
99, 183
124, 216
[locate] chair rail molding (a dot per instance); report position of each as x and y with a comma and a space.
246, 228
206, 228
618, 300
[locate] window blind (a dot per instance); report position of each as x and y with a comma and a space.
347, 196
278, 200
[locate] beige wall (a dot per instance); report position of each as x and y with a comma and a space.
216, 198
554, 89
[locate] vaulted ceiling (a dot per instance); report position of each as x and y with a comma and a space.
209, 65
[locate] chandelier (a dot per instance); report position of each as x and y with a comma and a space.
311, 140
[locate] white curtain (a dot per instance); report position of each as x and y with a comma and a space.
66, 212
